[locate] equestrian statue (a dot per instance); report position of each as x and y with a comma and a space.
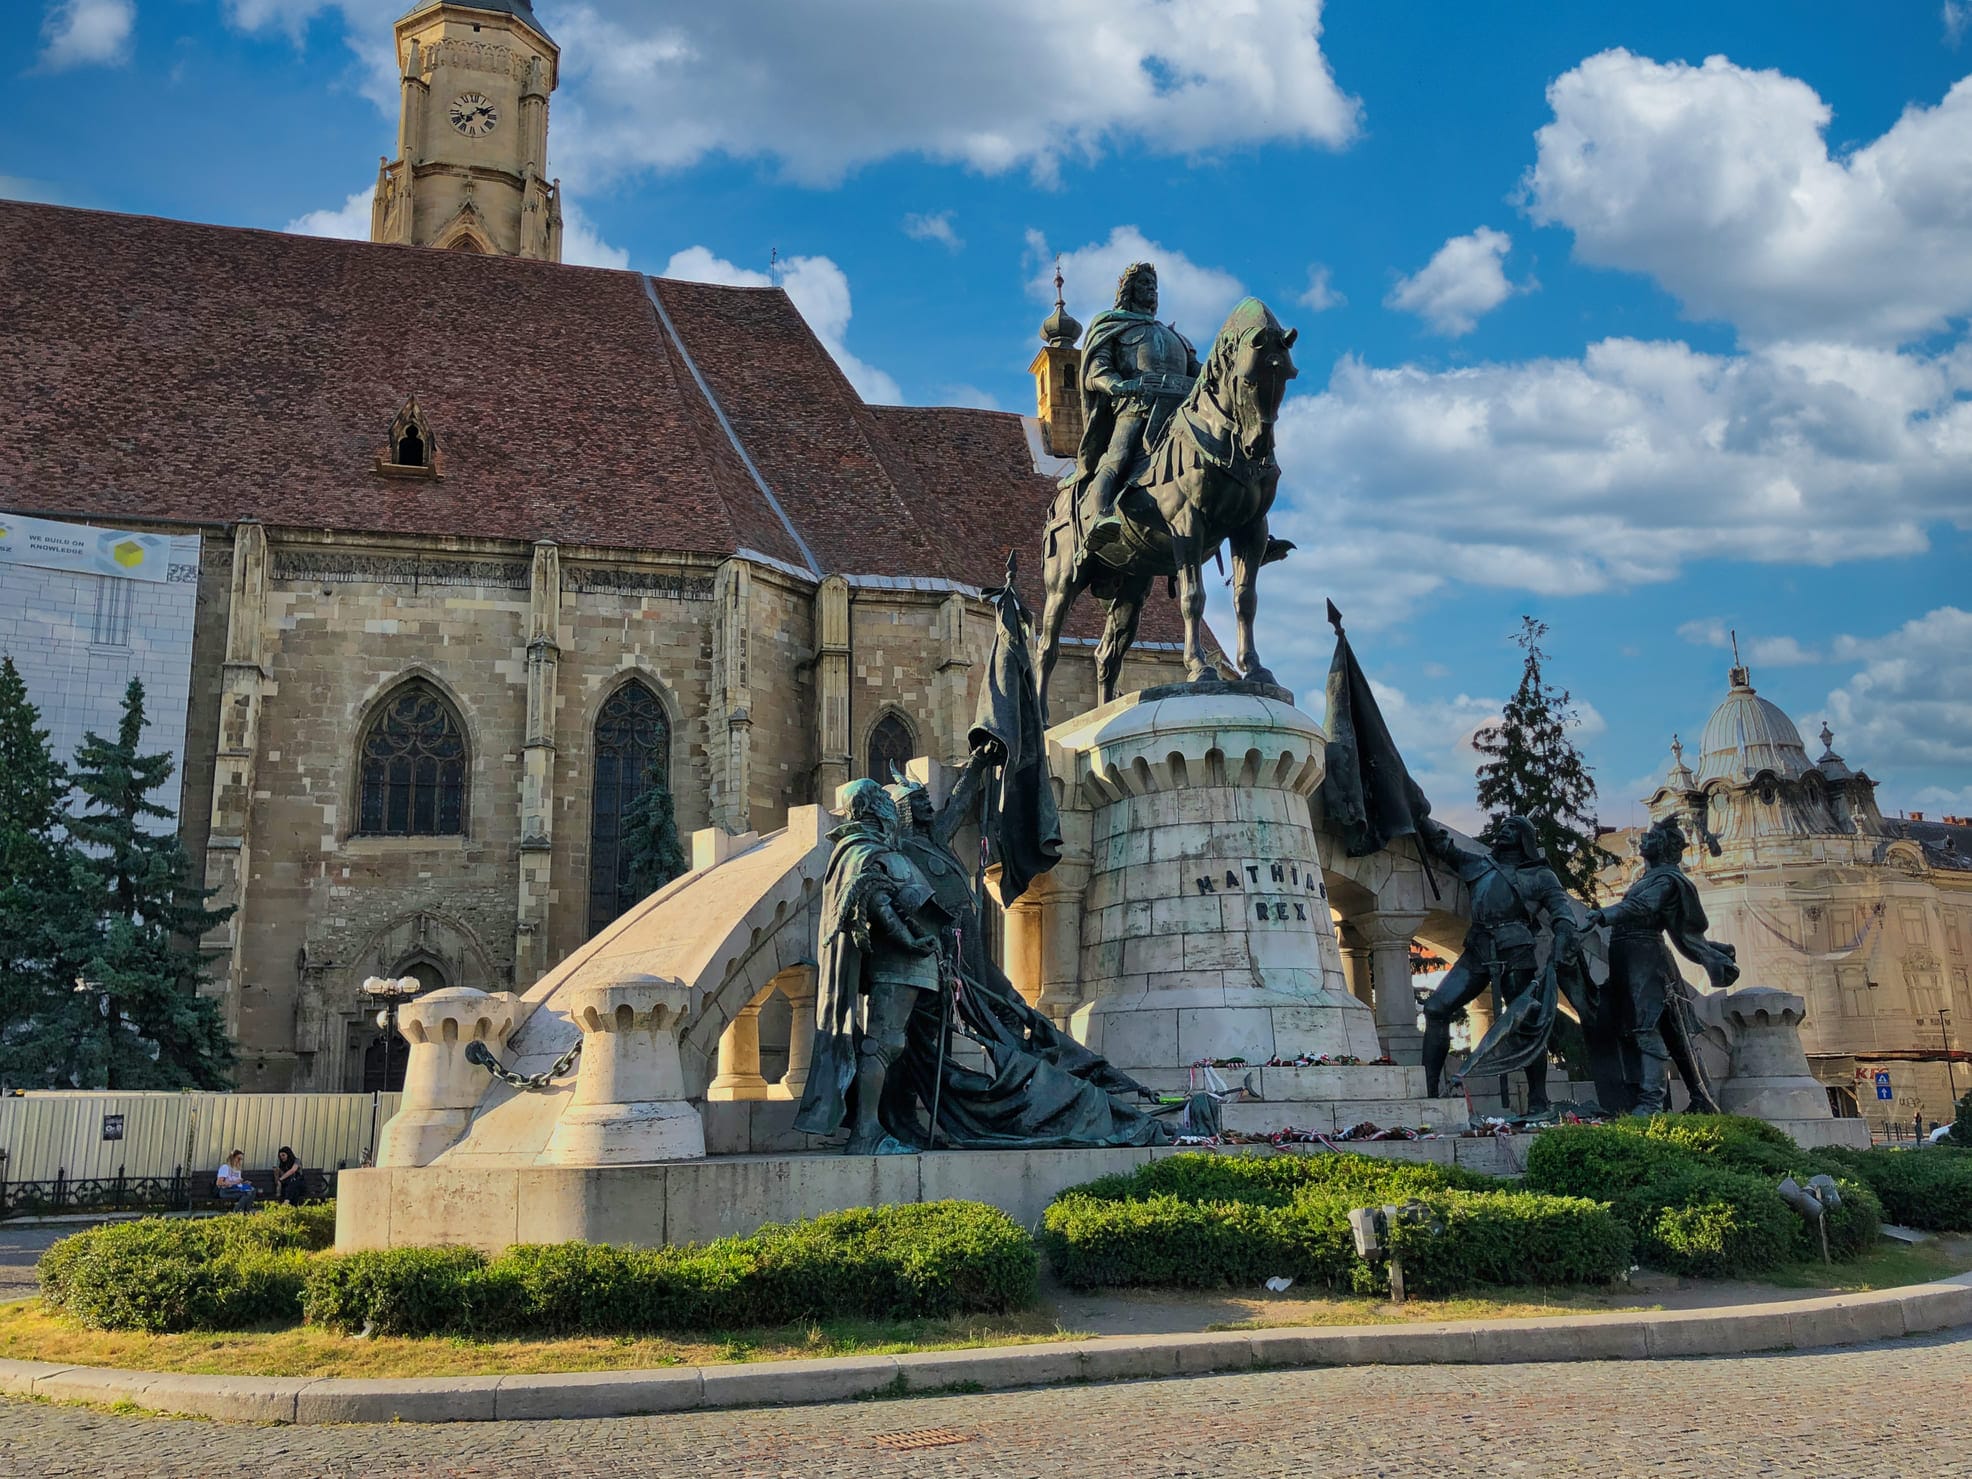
1177, 458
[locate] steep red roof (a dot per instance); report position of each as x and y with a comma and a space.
161, 370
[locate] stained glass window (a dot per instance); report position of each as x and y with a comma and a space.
890, 744
414, 768
633, 738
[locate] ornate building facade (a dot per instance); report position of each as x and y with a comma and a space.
1868, 917
483, 539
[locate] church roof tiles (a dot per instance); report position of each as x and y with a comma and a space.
181, 373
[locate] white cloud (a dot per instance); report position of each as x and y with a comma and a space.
819, 289
1196, 299
1957, 16
1909, 702
87, 33
936, 228
581, 246
994, 85
1768, 652
1321, 294
1716, 181
351, 222
1462, 283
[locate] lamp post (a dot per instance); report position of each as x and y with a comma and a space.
392, 992
1944, 1032
82, 988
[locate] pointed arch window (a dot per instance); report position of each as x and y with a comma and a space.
891, 743
412, 450
633, 754
413, 767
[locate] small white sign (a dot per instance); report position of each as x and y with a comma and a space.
83, 549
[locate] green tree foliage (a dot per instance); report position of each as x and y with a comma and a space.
41, 896
141, 947
650, 828
1532, 769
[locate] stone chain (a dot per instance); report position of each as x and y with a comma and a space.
478, 1052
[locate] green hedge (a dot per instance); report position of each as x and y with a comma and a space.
1208, 1221
214, 1273
1698, 1192
918, 1260
1927, 1188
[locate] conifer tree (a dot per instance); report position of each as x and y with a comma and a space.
1532, 769
41, 897
150, 915
650, 827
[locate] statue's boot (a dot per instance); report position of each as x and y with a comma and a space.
1653, 1086
1437, 1047
1538, 1102
1684, 1054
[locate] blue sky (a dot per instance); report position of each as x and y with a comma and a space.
1592, 327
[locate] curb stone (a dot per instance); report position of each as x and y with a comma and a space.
1842, 1319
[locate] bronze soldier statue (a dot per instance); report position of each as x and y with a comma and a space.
1135, 373
1513, 890
880, 952
1647, 992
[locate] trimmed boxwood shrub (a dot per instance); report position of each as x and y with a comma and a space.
931, 1259
1699, 1191
1206, 1221
1930, 1188
168, 1274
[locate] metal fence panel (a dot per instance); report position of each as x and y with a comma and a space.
45, 1134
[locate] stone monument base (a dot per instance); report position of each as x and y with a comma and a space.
493, 1207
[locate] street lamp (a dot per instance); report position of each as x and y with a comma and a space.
82, 988
1944, 1031
391, 991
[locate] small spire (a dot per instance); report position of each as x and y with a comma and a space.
1740, 676
1058, 301
1827, 736
1060, 329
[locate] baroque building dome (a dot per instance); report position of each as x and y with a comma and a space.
1748, 736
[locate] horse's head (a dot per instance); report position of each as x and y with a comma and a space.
1245, 377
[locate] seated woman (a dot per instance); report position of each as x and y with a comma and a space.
290, 1185
232, 1184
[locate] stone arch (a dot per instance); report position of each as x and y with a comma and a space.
365, 712
419, 937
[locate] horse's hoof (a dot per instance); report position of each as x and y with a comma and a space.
1208, 674
1262, 675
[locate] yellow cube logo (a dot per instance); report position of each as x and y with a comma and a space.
127, 553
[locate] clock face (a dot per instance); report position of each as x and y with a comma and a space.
474, 115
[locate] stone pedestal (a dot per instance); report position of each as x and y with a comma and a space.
441, 1088
629, 1105
1205, 926
1770, 1078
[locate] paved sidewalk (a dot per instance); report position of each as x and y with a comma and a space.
1890, 1410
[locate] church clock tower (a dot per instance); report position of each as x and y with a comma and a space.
472, 137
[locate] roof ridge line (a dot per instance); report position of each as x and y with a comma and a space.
719, 413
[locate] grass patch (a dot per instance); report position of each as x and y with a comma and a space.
31, 1332
1889, 1265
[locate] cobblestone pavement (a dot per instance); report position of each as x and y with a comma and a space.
1898, 1409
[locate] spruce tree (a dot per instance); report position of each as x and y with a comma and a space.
42, 898
150, 916
1532, 769
650, 831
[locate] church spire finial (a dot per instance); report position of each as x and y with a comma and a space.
1740, 676
1059, 303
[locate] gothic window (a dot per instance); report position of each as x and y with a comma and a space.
412, 450
890, 744
633, 743
413, 767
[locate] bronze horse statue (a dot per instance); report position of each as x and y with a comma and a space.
1209, 479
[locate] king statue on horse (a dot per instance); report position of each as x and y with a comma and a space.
1177, 458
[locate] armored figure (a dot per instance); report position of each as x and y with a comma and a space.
880, 953
1135, 372
1646, 990
1513, 891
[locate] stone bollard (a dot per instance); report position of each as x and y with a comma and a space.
629, 1106
441, 1089
1770, 1079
